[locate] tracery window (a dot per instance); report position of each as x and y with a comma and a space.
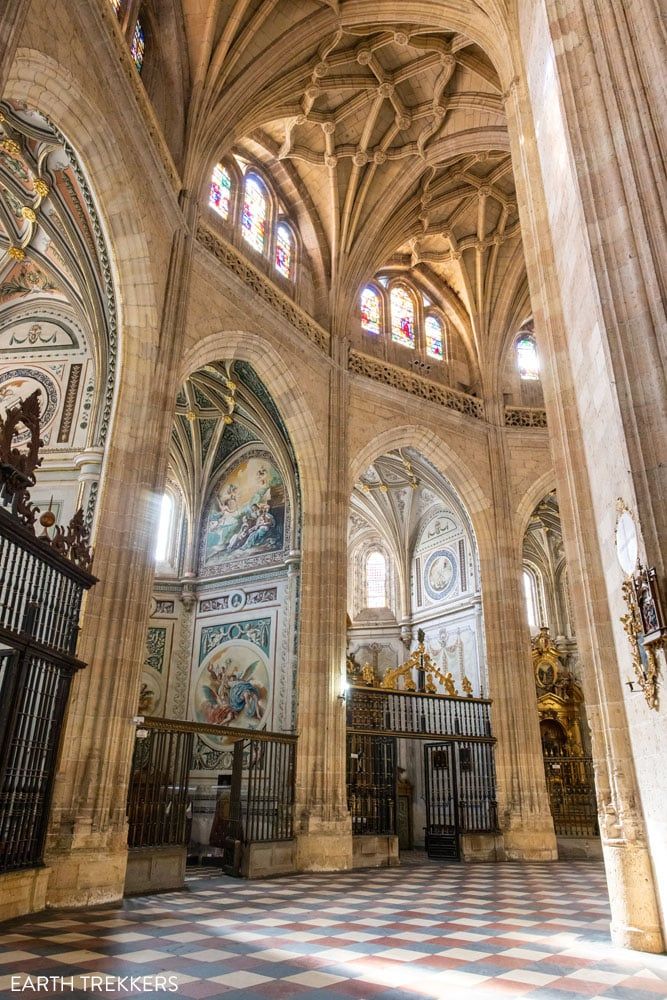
284, 250
526, 357
165, 526
220, 195
402, 316
256, 217
434, 339
255, 210
370, 310
138, 46
405, 315
376, 580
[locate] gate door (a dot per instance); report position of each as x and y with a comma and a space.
442, 822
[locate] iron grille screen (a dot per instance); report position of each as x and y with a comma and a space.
40, 602
404, 713
571, 787
158, 792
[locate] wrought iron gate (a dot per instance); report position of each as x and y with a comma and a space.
571, 787
459, 782
441, 792
261, 805
371, 783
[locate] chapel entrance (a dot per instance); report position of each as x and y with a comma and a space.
453, 733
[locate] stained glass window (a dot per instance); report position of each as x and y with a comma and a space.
526, 357
402, 317
433, 328
376, 580
370, 311
253, 221
221, 191
284, 250
138, 46
118, 6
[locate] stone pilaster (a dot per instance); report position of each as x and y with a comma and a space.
523, 804
323, 824
13, 14
86, 846
595, 321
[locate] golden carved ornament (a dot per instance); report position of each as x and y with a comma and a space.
28, 213
42, 188
11, 147
645, 672
419, 661
16, 253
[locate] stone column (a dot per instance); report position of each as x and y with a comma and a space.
584, 137
86, 846
323, 823
523, 804
12, 17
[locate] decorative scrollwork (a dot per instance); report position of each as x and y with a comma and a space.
17, 476
644, 660
17, 465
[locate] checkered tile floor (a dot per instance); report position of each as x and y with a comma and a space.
427, 930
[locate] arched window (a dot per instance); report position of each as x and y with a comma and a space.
376, 580
284, 251
434, 344
138, 46
220, 196
370, 311
402, 317
526, 357
530, 598
165, 527
255, 210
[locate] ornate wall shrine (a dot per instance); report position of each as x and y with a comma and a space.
222, 636
413, 583
564, 730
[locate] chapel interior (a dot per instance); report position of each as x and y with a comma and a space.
332, 443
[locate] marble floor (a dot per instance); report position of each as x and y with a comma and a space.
426, 930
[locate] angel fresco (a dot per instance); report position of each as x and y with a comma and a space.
232, 694
247, 513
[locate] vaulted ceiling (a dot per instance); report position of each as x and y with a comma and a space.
388, 139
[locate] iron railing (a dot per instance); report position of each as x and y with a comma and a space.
261, 802
571, 787
459, 774
262, 795
404, 713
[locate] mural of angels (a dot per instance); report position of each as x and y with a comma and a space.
233, 687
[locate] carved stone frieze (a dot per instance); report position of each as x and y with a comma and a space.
397, 378
262, 286
525, 416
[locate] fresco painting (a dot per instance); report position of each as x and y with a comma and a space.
233, 687
247, 513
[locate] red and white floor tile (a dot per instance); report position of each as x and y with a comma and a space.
425, 931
